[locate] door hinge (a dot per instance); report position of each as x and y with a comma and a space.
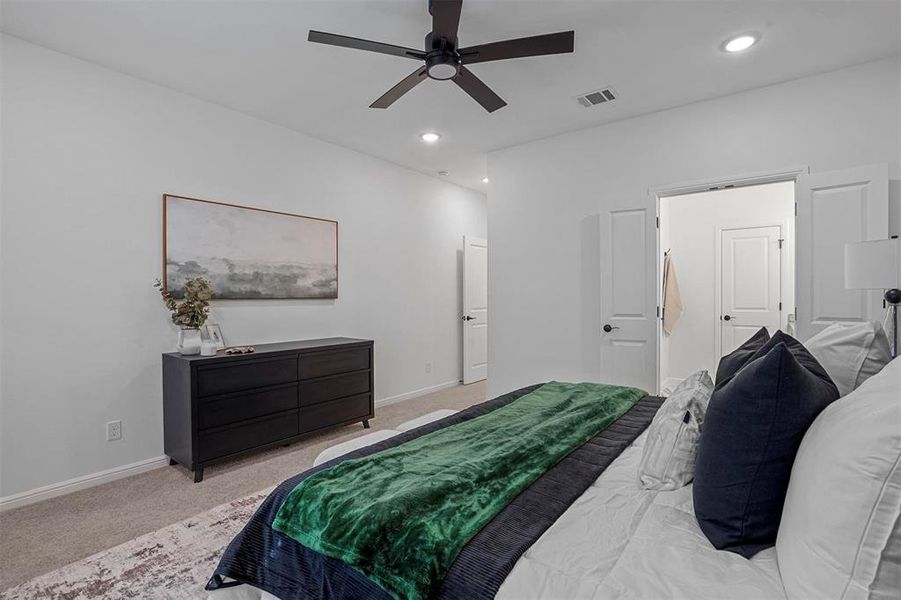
780, 306
658, 222
796, 209
780, 242
658, 312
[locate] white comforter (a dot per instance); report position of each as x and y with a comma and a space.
619, 541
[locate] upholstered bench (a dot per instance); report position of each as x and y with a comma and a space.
354, 444
377, 436
426, 419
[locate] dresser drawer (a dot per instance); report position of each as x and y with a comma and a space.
319, 364
314, 391
326, 414
221, 442
212, 381
240, 407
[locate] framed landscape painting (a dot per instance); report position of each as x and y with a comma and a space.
248, 253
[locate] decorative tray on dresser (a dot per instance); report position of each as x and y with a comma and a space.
220, 407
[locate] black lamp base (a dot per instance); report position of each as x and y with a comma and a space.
892, 300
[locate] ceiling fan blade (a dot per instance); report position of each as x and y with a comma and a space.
445, 18
476, 88
551, 43
344, 41
406, 84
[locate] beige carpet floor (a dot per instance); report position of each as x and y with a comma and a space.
45, 536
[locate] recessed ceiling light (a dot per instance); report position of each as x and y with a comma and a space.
742, 42
430, 137
484, 180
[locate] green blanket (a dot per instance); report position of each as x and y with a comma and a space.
401, 516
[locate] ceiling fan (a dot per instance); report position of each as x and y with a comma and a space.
445, 61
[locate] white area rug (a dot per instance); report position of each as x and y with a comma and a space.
171, 563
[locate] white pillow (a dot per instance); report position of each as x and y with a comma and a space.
668, 462
838, 538
851, 353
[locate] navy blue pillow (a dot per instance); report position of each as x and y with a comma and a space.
797, 349
735, 360
754, 424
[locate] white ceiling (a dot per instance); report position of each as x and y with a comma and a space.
252, 56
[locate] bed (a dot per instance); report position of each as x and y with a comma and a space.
584, 529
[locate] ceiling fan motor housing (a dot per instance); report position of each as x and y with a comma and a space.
442, 65
442, 60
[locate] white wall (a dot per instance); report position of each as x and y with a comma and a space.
544, 195
87, 154
688, 227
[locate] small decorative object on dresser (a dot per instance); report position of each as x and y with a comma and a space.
240, 350
208, 347
214, 332
220, 407
190, 314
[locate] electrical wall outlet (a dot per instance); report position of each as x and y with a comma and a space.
428, 367
113, 431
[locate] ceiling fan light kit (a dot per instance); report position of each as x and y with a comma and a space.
444, 61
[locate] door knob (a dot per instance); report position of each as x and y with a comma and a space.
468, 318
608, 328
727, 318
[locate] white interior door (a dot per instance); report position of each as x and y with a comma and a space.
750, 284
475, 309
835, 208
628, 298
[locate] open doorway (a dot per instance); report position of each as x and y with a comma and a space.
730, 254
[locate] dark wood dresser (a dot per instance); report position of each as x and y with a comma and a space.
220, 407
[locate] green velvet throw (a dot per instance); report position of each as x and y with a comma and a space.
401, 516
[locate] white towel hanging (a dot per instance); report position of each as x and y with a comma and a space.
672, 299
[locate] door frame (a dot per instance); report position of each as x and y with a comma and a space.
656, 193
784, 257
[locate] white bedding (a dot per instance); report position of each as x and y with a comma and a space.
620, 541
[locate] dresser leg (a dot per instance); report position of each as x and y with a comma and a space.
172, 462
198, 475
365, 423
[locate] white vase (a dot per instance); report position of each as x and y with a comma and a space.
188, 341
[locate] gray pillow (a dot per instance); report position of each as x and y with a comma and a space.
668, 462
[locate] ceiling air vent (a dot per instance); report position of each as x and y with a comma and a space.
597, 97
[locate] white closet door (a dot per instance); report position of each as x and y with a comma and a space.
835, 208
628, 300
750, 284
475, 309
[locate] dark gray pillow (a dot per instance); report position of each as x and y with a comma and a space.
754, 424
735, 360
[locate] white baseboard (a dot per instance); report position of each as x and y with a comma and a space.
417, 393
79, 483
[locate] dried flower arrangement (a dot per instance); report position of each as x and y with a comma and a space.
193, 311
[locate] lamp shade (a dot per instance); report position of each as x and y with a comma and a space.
873, 265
